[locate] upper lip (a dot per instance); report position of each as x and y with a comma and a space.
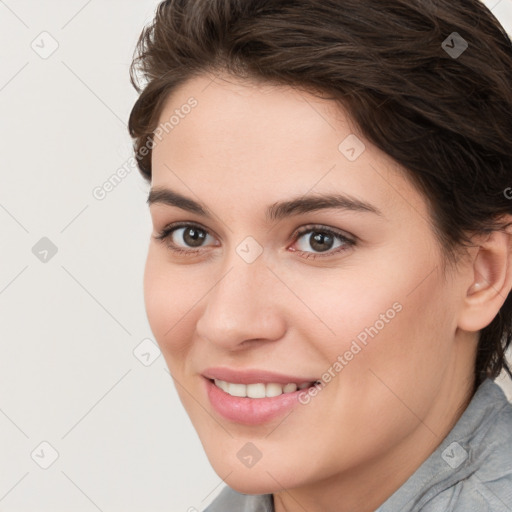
252, 376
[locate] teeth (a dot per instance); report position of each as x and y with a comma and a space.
258, 390
237, 389
255, 390
290, 388
273, 389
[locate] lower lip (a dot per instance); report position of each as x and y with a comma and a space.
250, 411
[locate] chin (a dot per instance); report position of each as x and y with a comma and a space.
251, 484
259, 479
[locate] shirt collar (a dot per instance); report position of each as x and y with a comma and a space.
457, 457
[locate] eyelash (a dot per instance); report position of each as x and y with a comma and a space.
164, 235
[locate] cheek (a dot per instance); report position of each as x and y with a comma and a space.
406, 362
398, 370
351, 307
396, 319
168, 302
419, 336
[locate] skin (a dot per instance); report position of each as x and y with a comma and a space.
246, 146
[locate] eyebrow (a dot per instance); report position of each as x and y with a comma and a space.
276, 211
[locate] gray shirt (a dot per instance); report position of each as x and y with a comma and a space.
470, 471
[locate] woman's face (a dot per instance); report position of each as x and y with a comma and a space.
368, 314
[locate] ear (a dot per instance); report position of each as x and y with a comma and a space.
491, 272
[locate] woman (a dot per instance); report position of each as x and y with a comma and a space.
329, 273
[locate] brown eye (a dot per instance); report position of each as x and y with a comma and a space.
192, 236
322, 240
183, 238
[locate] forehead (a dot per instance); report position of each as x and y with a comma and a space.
268, 142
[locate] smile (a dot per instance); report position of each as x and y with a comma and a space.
259, 390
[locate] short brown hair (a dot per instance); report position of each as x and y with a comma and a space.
446, 119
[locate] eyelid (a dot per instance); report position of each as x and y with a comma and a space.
322, 227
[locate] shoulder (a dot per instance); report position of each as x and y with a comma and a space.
487, 485
471, 470
474, 495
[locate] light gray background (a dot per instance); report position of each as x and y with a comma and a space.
69, 325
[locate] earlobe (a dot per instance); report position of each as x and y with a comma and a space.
492, 281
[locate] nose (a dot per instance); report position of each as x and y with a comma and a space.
245, 304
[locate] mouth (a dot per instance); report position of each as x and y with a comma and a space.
260, 390
254, 403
